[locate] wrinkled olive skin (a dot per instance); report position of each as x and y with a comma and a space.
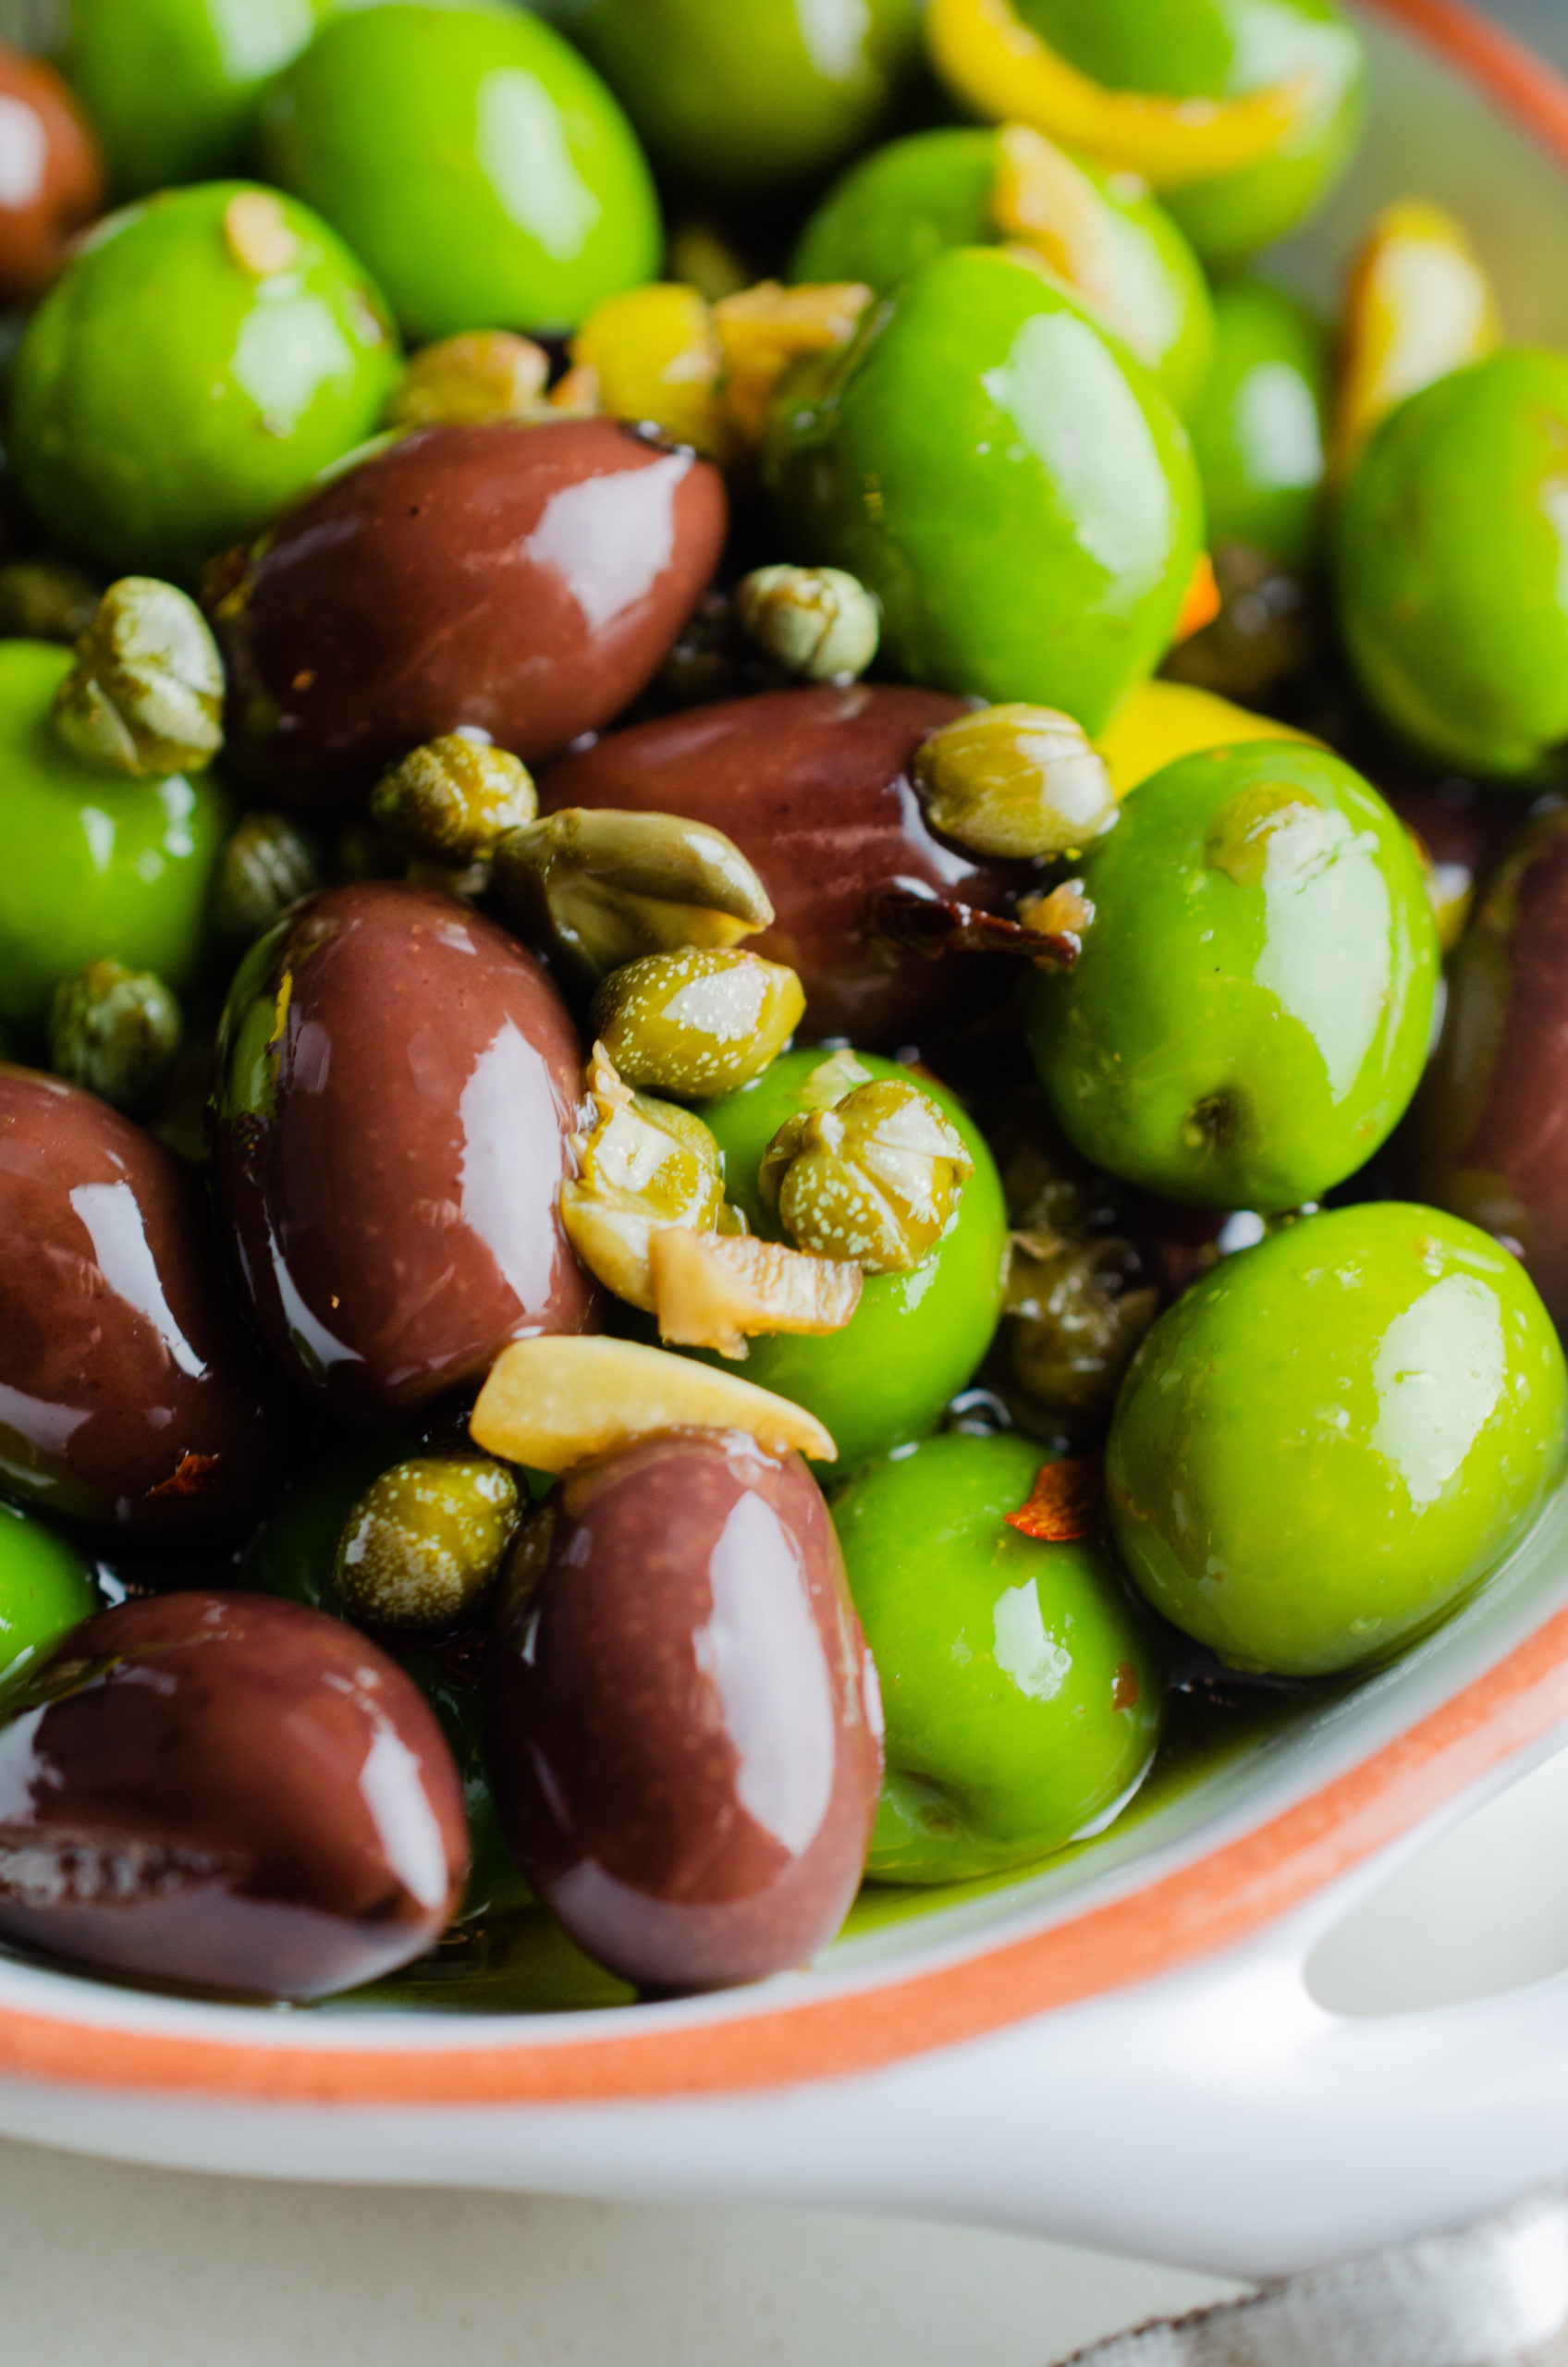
746, 101
1448, 566
46, 1588
127, 1393
981, 392
1251, 1012
222, 1792
1260, 432
527, 580
55, 180
1332, 1437
1211, 49
915, 1339
910, 201
398, 1081
167, 398
685, 1728
815, 787
1024, 1694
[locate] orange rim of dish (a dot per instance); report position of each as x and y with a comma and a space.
1217, 1900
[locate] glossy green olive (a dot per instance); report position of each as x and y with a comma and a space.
1012, 484
1331, 1439
199, 359
1251, 1011
912, 200
742, 100
173, 88
1022, 1691
1196, 49
474, 159
45, 1587
1260, 432
916, 1338
1449, 557
97, 869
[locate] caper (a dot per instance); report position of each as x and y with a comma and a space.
599, 888
115, 1031
1265, 631
698, 1023
146, 694
485, 373
815, 621
44, 599
643, 1165
425, 1542
453, 800
1015, 781
266, 864
1076, 1320
877, 1177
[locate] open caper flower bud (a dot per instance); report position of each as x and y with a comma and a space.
425, 1544
1015, 783
116, 1032
266, 864
44, 599
645, 1164
815, 621
460, 381
146, 694
697, 1022
877, 1177
454, 800
600, 887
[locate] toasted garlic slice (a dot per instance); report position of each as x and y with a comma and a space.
557, 1401
709, 1291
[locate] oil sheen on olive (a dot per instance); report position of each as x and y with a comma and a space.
815, 789
525, 580
127, 1394
220, 1791
398, 1082
685, 1723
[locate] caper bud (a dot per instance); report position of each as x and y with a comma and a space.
697, 1022
425, 1544
146, 694
1076, 1322
43, 599
115, 1031
599, 888
452, 801
460, 381
1015, 783
877, 1177
644, 1164
266, 864
815, 621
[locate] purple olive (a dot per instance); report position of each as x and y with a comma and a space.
685, 1725
224, 1791
524, 580
128, 1394
398, 1082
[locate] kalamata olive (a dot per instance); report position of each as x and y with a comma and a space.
222, 1791
523, 581
398, 1082
815, 788
51, 174
685, 1725
127, 1394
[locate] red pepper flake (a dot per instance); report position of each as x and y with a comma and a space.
189, 1477
1126, 1693
1065, 1502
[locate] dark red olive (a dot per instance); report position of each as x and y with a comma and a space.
51, 174
127, 1390
685, 1725
1488, 1137
222, 1791
527, 580
398, 1081
814, 787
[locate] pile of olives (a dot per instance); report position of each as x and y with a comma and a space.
783, 953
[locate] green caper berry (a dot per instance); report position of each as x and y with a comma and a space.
1015, 783
266, 864
877, 1177
817, 622
115, 1031
600, 887
697, 1022
43, 599
146, 694
453, 801
425, 1542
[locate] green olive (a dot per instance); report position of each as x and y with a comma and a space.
696, 1022
425, 1544
45, 1587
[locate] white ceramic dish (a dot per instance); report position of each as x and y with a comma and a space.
1121, 2048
